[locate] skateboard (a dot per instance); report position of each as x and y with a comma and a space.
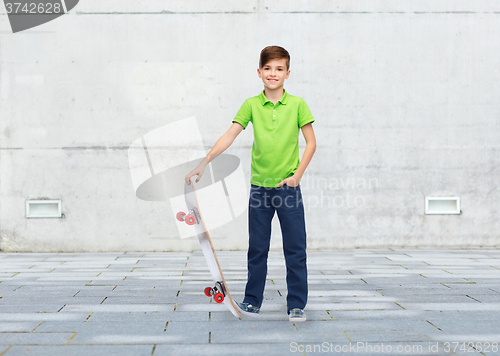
193, 218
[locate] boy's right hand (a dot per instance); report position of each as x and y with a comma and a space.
198, 171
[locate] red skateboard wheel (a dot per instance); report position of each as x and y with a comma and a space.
190, 220
219, 298
208, 292
181, 215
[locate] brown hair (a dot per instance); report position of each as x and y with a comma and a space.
274, 52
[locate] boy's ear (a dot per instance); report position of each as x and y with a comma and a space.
287, 74
259, 73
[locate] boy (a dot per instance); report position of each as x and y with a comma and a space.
275, 175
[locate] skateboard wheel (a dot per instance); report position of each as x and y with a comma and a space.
190, 219
219, 298
208, 292
180, 216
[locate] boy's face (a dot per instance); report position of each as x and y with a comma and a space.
274, 73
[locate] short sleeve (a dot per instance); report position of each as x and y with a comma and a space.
305, 116
244, 115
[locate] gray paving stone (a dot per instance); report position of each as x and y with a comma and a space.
34, 338
371, 348
204, 307
401, 335
31, 308
124, 301
146, 288
18, 326
262, 330
177, 332
145, 299
14, 316
50, 300
441, 290
447, 298
485, 298
468, 337
352, 306
131, 318
494, 307
224, 349
468, 326
81, 350
120, 308
381, 314
144, 326
265, 315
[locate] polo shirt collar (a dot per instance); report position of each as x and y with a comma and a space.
264, 100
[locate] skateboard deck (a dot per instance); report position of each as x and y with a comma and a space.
193, 217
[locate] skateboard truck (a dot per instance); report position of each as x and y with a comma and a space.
218, 292
191, 218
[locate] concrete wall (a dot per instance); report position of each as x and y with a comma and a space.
405, 96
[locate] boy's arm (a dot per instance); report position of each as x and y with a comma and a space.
220, 146
308, 132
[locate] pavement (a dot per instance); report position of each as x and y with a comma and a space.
361, 302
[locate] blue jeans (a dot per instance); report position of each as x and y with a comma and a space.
287, 202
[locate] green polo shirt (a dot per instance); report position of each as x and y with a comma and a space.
275, 151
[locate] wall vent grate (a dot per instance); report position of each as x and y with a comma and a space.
442, 205
43, 209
